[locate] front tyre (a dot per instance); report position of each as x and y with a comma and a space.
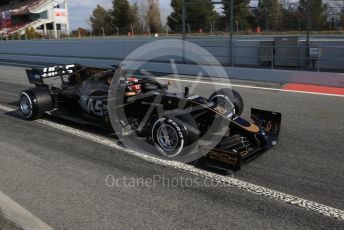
229, 99
175, 138
168, 137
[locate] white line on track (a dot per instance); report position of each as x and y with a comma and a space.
19, 216
249, 87
236, 183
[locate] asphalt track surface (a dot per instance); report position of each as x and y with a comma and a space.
61, 178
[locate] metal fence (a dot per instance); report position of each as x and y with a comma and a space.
314, 60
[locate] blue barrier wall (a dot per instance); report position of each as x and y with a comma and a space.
106, 52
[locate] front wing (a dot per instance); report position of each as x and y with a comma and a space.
237, 149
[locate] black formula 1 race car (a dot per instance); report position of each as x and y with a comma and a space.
174, 124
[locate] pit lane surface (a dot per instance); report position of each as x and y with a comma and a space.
61, 178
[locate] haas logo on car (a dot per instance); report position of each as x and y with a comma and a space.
55, 70
91, 106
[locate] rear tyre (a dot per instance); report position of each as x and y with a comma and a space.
229, 99
35, 102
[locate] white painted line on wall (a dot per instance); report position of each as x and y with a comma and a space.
232, 182
248, 87
16, 64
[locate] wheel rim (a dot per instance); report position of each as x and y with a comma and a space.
25, 105
167, 137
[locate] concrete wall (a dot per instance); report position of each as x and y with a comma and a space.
106, 52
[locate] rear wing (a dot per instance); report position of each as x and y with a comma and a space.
37, 76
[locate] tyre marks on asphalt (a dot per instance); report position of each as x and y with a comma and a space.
225, 180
